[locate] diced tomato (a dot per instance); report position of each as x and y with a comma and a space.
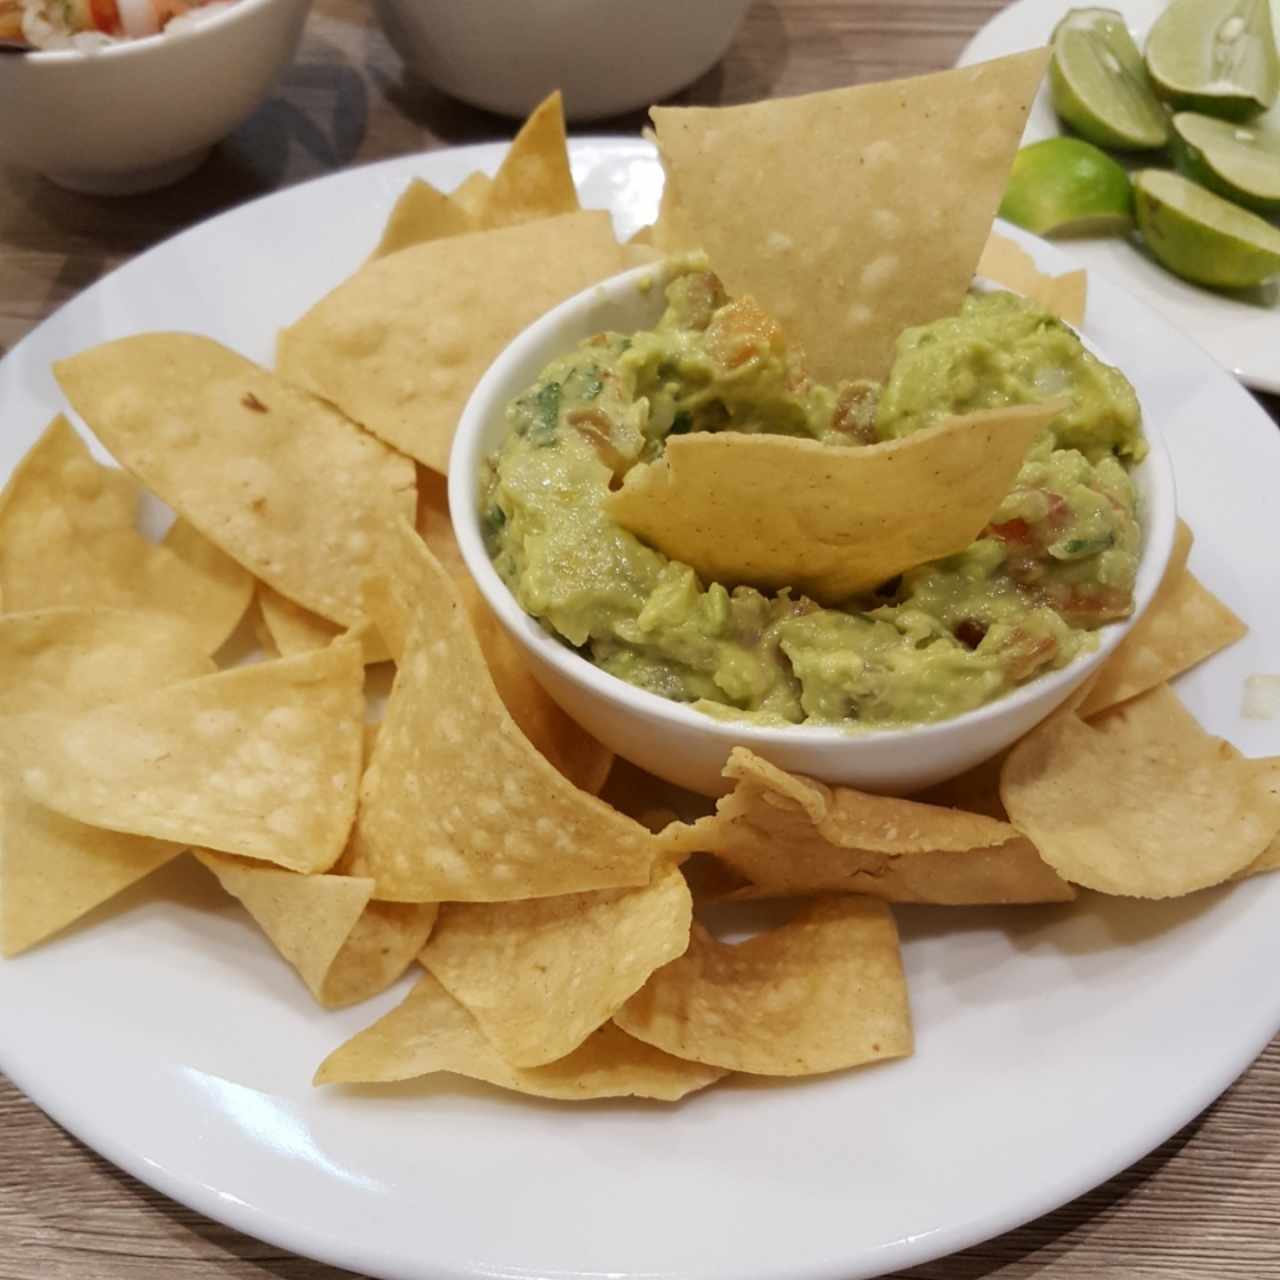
1089, 604
105, 16
1016, 530
1026, 654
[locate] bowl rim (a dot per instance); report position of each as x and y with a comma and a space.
1159, 525
236, 11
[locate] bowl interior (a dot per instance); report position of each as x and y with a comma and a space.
635, 300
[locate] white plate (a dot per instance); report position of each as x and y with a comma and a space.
1241, 331
1056, 1046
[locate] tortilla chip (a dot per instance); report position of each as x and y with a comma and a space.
54, 870
1007, 264
1184, 624
278, 480
830, 521
822, 992
534, 180
68, 538
471, 195
260, 760
400, 345
432, 1032
456, 805
390, 599
422, 213
791, 835
68, 660
1267, 860
345, 947
540, 976
293, 629
1139, 802
853, 214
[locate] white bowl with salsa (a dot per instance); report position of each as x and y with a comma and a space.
680, 741
137, 114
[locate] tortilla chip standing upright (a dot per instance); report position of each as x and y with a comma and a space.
399, 346
853, 214
534, 179
282, 483
1010, 265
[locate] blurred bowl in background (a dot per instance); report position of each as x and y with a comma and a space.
606, 56
140, 114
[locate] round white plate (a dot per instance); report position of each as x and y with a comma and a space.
1240, 330
1055, 1046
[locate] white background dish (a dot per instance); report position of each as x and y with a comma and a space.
1241, 333
1055, 1046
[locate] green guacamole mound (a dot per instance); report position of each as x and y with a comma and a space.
1057, 559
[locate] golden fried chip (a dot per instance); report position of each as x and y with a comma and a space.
534, 180
345, 947
540, 976
293, 629
54, 870
1008, 264
66, 660
456, 805
777, 511
422, 213
471, 195
1140, 801
400, 345
261, 760
432, 1032
1184, 624
68, 538
853, 214
822, 992
390, 597
278, 480
791, 835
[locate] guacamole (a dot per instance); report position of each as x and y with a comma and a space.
1057, 559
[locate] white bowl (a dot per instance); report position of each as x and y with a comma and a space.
683, 745
140, 114
606, 56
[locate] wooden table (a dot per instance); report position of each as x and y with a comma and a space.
1205, 1206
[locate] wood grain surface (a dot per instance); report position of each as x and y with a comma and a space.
1205, 1206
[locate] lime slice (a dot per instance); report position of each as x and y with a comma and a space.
1099, 86
1200, 236
1215, 56
1063, 186
1235, 160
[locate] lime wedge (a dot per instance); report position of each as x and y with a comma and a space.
1235, 160
1200, 236
1064, 186
1215, 56
1099, 86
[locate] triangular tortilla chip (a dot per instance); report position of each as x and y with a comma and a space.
390, 597
400, 345
1140, 801
776, 511
54, 870
1184, 624
471, 195
534, 180
456, 805
791, 835
422, 213
67, 660
540, 976
261, 760
1010, 265
345, 947
277, 479
293, 629
68, 538
853, 214
822, 992
432, 1032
